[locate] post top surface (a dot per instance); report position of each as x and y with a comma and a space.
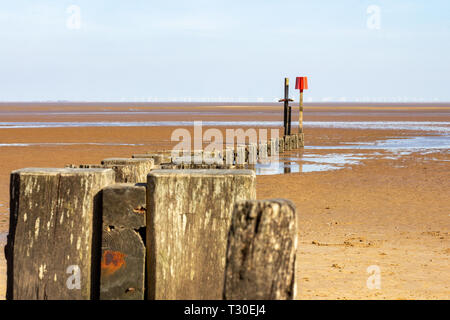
127, 160
202, 172
144, 155
126, 185
55, 171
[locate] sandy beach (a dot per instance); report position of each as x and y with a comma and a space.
371, 187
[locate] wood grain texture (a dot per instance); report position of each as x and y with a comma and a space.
252, 154
294, 142
125, 173
229, 157
301, 139
158, 158
287, 143
240, 156
123, 249
281, 145
261, 251
262, 150
272, 148
130, 170
124, 205
122, 264
189, 214
55, 214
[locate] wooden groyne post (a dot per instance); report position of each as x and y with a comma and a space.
261, 251
123, 242
189, 215
54, 234
130, 170
158, 158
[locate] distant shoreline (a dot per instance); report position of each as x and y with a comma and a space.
224, 104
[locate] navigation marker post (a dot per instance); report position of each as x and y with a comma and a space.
286, 118
301, 84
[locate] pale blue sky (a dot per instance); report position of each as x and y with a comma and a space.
139, 50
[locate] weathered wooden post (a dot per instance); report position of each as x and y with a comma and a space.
286, 110
133, 172
289, 120
252, 154
272, 147
301, 140
189, 215
197, 156
287, 143
262, 151
158, 158
261, 251
219, 157
285, 104
240, 156
123, 173
301, 84
168, 166
281, 144
229, 157
53, 249
123, 242
294, 140
277, 146
136, 169
212, 158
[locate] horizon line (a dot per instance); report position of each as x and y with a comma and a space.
219, 102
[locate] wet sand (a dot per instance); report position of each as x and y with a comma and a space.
388, 208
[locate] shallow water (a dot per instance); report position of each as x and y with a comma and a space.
430, 126
337, 159
423, 142
291, 167
410, 144
309, 160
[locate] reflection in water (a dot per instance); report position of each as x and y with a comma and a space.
292, 167
277, 168
335, 158
294, 162
412, 144
307, 160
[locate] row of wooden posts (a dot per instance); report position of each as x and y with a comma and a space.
148, 228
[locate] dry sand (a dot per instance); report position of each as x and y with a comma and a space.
393, 213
